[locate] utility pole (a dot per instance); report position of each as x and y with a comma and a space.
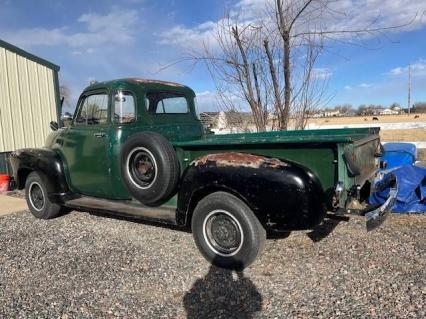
409, 88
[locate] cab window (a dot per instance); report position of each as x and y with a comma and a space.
93, 110
166, 103
124, 108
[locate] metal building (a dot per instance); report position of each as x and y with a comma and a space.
29, 100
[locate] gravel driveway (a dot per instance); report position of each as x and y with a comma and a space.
84, 265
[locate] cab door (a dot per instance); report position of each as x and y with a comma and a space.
86, 146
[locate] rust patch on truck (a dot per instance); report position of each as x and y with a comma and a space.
234, 159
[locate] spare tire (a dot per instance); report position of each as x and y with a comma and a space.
149, 168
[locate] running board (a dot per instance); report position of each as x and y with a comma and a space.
128, 207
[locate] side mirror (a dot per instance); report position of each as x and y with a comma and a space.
54, 126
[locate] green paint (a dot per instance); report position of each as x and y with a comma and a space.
92, 164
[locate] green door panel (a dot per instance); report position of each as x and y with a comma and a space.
85, 153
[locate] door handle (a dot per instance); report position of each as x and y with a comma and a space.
99, 135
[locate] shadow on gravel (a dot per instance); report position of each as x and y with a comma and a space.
219, 295
277, 234
326, 227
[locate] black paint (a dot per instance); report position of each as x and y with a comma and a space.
286, 197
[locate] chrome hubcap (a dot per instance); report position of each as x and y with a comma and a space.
36, 196
223, 233
141, 167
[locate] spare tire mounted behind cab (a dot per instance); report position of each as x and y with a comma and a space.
149, 168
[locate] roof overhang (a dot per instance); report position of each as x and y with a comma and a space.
29, 56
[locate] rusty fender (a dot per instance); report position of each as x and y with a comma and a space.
283, 195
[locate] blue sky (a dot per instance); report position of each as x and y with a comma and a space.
112, 39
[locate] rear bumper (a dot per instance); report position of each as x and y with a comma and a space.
377, 216
357, 200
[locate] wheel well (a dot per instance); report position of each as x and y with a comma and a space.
198, 195
22, 177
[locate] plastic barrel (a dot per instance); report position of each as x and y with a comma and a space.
4, 182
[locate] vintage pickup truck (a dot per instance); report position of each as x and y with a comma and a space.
136, 147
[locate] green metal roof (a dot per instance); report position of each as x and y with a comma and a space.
29, 56
139, 82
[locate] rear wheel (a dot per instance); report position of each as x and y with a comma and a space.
36, 189
226, 231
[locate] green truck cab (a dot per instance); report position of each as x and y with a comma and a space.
136, 147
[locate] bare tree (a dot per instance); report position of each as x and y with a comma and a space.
270, 62
236, 70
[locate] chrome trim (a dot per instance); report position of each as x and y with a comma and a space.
31, 199
129, 175
207, 240
377, 216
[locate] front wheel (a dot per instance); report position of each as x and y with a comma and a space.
226, 231
36, 188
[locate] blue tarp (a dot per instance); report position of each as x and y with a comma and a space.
410, 179
398, 154
411, 190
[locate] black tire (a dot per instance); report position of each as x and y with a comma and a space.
149, 168
216, 223
37, 186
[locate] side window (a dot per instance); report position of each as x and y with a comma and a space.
166, 103
124, 108
93, 110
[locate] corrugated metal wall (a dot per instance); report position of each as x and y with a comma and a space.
27, 101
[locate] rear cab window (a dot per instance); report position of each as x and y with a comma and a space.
166, 103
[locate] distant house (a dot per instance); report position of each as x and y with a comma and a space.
388, 112
333, 113
319, 114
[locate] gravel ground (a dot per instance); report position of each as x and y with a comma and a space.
85, 265
16, 194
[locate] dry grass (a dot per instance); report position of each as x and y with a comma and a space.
421, 154
409, 135
412, 135
368, 119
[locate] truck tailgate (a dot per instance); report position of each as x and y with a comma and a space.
361, 158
